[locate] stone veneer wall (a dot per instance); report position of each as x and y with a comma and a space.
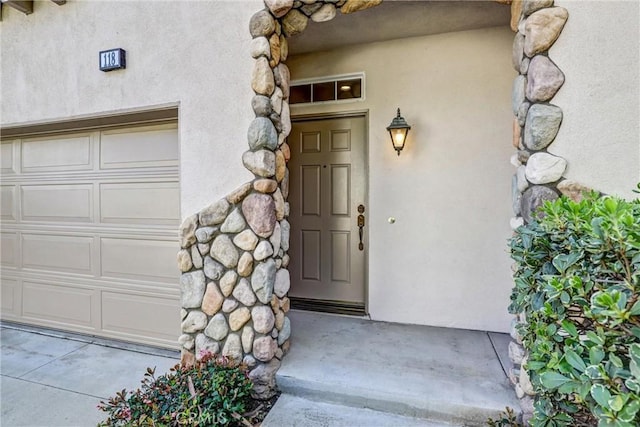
234, 258
538, 176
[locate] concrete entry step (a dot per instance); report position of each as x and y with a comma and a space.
291, 411
444, 375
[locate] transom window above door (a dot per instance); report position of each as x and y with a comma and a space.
327, 89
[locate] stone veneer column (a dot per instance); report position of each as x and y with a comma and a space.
539, 174
233, 255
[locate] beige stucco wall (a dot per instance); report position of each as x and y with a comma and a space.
184, 53
599, 53
444, 262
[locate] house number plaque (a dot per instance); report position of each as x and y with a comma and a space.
112, 59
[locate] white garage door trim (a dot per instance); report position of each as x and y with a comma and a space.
88, 223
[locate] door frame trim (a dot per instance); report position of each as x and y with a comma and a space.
295, 118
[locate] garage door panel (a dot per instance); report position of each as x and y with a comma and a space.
10, 293
140, 203
51, 252
9, 249
137, 149
6, 158
139, 259
8, 203
141, 315
58, 303
67, 203
57, 154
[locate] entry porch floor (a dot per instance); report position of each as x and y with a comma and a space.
431, 376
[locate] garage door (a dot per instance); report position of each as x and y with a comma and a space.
89, 230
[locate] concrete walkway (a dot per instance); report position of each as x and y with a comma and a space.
446, 376
341, 371
57, 379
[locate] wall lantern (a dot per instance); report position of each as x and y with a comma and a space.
398, 129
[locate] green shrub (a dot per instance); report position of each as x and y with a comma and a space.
214, 391
577, 283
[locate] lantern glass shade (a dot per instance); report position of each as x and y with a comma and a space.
398, 129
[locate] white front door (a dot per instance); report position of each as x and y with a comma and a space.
328, 188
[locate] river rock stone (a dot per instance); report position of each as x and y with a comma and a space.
285, 118
351, 6
262, 134
542, 125
229, 305
544, 79
285, 332
246, 240
518, 93
245, 265
261, 163
187, 231
217, 327
263, 319
524, 66
186, 341
517, 51
516, 222
517, 133
516, 14
533, 198
276, 238
516, 353
294, 22
259, 211
523, 109
205, 234
183, 313
213, 299
284, 48
286, 230
192, 289
285, 304
237, 195
276, 103
263, 280
279, 8
205, 345
227, 282
233, 348
261, 106
214, 214
184, 260
204, 248
223, 250
521, 179
573, 190
279, 319
274, 45
212, 269
282, 76
326, 13
196, 258
281, 166
263, 251
234, 222
264, 348
310, 9
530, 6
282, 283
260, 47
543, 168
262, 24
239, 318
543, 28
247, 339
264, 379
194, 322
515, 196
265, 185
244, 293
262, 80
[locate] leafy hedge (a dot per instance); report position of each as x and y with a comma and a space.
215, 391
577, 282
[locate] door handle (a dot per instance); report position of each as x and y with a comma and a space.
360, 226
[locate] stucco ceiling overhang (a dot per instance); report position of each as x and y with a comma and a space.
395, 19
